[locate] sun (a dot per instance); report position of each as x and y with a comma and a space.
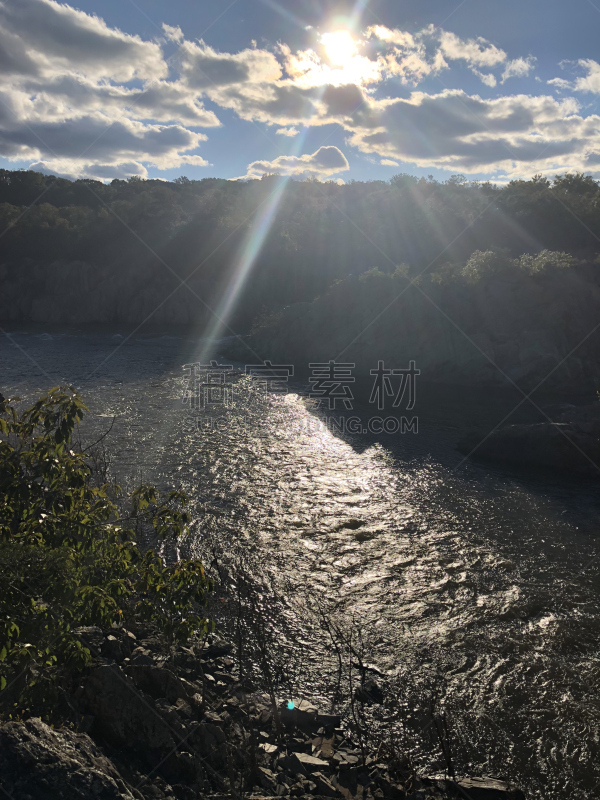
339, 46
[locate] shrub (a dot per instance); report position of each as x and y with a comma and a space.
68, 553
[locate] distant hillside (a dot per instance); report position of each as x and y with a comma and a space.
329, 258
493, 320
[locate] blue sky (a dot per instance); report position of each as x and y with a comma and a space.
334, 90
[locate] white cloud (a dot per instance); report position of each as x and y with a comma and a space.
485, 77
476, 52
591, 81
173, 33
85, 99
324, 162
518, 68
560, 83
70, 106
57, 38
388, 162
94, 143
204, 68
415, 56
518, 135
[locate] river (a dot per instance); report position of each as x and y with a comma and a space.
479, 581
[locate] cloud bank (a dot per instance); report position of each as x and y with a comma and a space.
83, 99
326, 161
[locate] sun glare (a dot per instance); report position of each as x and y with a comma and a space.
339, 46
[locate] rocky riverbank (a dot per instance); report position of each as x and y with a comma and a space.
153, 722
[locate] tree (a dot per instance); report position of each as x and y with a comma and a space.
68, 554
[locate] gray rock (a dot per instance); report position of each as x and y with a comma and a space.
38, 763
303, 715
207, 739
323, 785
328, 721
160, 682
141, 657
304, 764
218, 647
268, 779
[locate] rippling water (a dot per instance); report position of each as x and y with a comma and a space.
483, 577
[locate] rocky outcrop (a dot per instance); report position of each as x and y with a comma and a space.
571, 443
178, 724
38, 763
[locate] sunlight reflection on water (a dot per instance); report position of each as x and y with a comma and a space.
481, 573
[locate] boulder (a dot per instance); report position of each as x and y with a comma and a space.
38, 763
160, 682
123, 715
304, 764
303, 715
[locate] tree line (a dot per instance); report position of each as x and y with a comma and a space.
321, 232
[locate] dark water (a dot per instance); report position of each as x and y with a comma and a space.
485, 576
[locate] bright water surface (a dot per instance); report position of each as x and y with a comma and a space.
485, 576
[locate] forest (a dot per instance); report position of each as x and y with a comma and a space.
63, 238
476, 281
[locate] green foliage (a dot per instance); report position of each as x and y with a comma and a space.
68, 555
77, 236
482, 263
545, 260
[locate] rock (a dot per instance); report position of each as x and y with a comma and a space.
214, 649
124, 716
304, 764
328, 721
38, 763
170, 714
207, 738
323, 785
389, 790
184, 708
268, 779
91, 637
160, 682
303, 715
473, 788
197, 703
181, 766
323, 747
225, 677
113, 649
